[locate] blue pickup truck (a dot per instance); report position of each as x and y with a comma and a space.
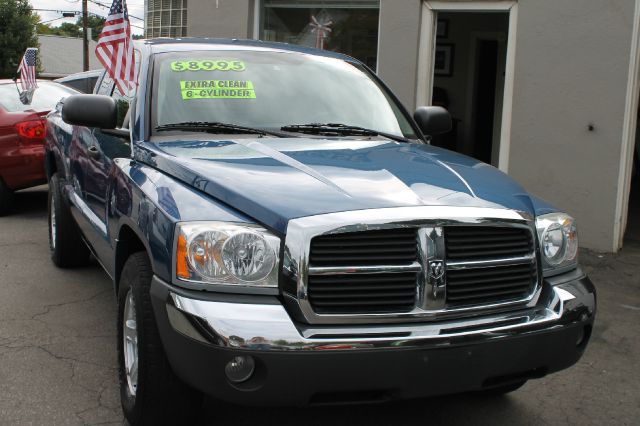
279, 230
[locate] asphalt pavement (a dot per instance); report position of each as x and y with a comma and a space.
58, 352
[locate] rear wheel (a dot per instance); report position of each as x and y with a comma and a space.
65, 243
6, 199
150, 392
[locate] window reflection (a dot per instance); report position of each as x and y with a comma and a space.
349, 27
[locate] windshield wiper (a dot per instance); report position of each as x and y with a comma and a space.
214, 126
338, 129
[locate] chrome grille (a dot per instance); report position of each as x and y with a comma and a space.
472, 278
358, 267
367, 291
481, 242
489, 285
383, 247
357, 292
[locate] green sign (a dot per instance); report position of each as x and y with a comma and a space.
217, 89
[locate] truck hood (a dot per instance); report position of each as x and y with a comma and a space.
274, 180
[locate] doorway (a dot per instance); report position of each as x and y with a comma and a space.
468, 79
466, 62
632, 233
626, 230
488, 87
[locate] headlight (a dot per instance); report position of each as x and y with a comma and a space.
558, 238
226, 254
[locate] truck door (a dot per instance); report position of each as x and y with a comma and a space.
95, 152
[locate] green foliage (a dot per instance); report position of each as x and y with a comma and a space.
17, 32
68, 29
95, 23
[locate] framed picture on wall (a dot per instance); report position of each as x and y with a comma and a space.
442, 30
443, 64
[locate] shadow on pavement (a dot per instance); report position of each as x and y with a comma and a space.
31, 203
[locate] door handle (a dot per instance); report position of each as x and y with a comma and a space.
94, 152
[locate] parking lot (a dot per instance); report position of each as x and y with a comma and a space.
58, 359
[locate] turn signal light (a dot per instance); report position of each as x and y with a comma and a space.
182, 269
31, 130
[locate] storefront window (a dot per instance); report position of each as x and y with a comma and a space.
349, 27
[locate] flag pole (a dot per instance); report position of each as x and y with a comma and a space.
15, 81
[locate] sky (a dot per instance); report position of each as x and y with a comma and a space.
135, 7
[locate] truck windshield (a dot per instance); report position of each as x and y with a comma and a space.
270, 90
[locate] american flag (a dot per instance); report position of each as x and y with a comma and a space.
115, 47
27, 69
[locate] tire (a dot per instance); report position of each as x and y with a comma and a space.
504, 389
151, 394
6, 199
65, 242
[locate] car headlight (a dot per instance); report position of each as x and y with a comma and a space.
558, 238
226, 254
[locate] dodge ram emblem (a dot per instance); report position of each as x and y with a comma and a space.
436, 269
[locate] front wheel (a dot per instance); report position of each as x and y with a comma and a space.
150, 392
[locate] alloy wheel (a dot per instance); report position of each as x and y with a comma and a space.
52, 223
130, 343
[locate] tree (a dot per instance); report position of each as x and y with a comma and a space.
46, 29
68, 29
17, 32
95, 23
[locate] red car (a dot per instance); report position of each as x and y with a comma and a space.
22, 134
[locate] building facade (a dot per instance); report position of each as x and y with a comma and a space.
55, 65
165, 18
545, 90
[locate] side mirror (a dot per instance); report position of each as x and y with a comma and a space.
90, 111
433, 120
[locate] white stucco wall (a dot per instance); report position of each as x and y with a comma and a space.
398, 47
220, 18
61, 56
572, 66
571, 70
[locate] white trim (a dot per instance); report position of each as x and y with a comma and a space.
452, 6
257, 10
426, 45
378, 41
426, 49
628, 135
507, 103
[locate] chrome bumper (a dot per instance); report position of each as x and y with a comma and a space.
565, 300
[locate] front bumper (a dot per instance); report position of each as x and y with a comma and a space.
298, 364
